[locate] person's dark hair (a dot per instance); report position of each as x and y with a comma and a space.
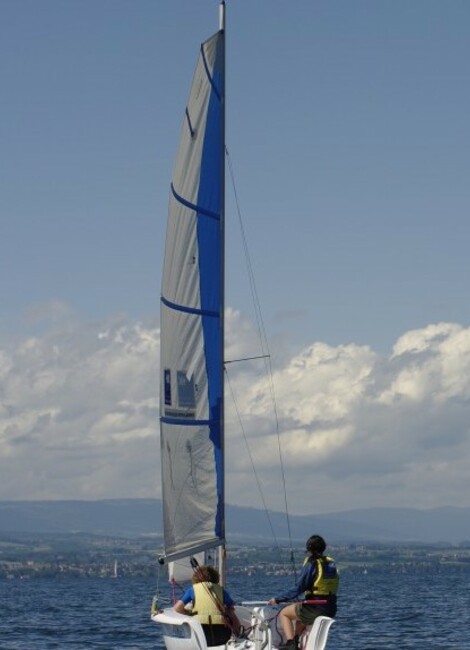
206, 574
316, 545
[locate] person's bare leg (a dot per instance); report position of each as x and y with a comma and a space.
299, 628
287, 617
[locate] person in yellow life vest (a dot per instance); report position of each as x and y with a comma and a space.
212, 605
319, 582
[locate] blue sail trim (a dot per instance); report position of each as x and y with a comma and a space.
197, 208
209, 236
189, 310
185, 422
209, 76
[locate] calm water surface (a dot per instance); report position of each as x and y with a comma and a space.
428, 611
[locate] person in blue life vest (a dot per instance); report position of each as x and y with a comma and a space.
319, 581
212, 605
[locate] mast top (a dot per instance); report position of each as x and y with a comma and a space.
222, 16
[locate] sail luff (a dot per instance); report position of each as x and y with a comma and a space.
222, 293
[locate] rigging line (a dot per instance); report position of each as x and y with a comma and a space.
232, 394
157, 597
260, 356
264, 344
251, 275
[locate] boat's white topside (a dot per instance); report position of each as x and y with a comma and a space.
181, 632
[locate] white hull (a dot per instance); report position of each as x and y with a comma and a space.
181, 632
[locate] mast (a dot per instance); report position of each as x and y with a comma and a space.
222, 16
221, 560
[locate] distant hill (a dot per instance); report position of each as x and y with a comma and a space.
132, 517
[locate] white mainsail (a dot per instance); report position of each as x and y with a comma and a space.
191, 394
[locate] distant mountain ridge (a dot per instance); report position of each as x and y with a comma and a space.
133, 517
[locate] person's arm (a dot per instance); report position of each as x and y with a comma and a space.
179, 607
228, 600
187, 597
235, 624
304, 581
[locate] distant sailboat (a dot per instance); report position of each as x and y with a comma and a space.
192, 360
115, 572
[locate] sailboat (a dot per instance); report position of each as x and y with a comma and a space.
192, 360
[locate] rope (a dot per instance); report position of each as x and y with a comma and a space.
250, 456
173, 590
157, 598
221, 606
264, 347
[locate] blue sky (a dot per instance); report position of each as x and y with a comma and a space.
347, 126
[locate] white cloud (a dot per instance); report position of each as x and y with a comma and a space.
79, 412
79, 418
358, 429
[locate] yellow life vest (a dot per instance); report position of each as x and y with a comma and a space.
209, 603
326, 582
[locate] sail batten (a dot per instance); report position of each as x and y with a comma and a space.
197, 208
191, 394
190, 310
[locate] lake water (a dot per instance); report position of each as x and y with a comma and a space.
426, 611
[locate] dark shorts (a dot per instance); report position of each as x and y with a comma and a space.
308, 613
216, 634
